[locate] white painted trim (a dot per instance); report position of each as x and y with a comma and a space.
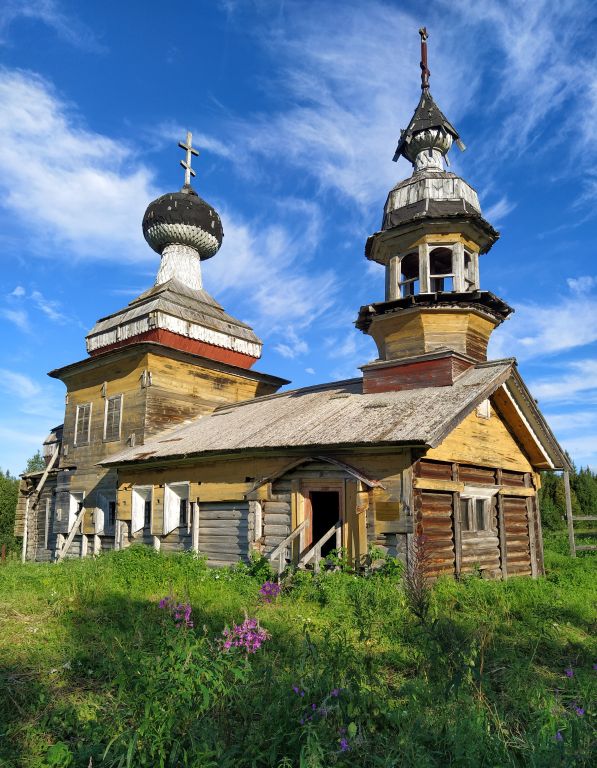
72, 496
85, 442
532, 432
107, 400
479, 491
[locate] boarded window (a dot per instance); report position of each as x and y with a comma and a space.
113, 418
82, 424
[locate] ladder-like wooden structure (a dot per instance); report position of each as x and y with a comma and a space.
571, 519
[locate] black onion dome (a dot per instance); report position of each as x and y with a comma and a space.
183, 218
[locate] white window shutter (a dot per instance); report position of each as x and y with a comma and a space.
138, 513
99, 519
171, 510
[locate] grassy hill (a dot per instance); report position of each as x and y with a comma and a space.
353, 670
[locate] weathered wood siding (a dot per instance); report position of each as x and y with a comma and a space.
511, 542
482, 442
224, 532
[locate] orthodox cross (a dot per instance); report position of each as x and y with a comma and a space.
424, 68
186, 163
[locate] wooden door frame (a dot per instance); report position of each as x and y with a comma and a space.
305, 508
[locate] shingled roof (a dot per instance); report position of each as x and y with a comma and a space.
330, 415
426, 115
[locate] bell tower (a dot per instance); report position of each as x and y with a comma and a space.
435, 321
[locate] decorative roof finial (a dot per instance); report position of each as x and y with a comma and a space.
424, 68
186, 163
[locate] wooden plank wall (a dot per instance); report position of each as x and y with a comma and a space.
509, 547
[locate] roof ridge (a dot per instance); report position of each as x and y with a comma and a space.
275, 395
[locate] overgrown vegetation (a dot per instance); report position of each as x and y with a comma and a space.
333, 671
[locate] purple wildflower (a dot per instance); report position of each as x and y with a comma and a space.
335, 693
313, 706
269, 591
181, 612
248, 635
558, 736
344, 745
569, 672
296, 689
594, 667
579, 710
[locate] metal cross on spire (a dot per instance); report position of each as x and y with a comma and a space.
186, 163
424, 68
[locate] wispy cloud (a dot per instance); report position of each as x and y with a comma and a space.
499, 210
30, 397
74, 166
48, 12
575, 377
18, 317
538, 330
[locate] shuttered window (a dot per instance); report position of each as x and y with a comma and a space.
82, 424
113, 417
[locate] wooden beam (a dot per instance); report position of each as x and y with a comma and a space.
71, 535
456, 523
430, 484
502, 530
569, 520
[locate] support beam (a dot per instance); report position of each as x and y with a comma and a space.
502, 530
393, 278
424, 282
458, 267
569, 513
195, 524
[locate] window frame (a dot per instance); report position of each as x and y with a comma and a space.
170, 488
469, 499
77, 441
109, 399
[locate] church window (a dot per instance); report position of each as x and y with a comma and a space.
113, 418
441, 274
82, 424
409, 276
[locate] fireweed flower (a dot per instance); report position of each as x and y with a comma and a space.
269, 591
569, 672
248, 635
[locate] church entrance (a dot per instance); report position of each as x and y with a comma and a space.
323, 509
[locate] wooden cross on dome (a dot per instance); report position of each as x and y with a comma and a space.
424, 68
186, 163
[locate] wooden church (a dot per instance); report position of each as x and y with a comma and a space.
170, 437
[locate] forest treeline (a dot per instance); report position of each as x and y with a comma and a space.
552, 498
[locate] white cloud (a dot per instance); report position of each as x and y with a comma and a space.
48, 307
310, 371
18, 291
538, 330
48, 12
581, 376
293, 347
18, 317
580, 285
83, 189
499, 210
30, 397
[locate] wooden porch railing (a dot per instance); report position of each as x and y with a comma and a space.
315, 552
280, 551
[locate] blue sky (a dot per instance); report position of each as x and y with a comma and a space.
296, 108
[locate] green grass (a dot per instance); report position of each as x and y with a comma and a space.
90, 667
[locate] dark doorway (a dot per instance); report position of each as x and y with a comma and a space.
325, 513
